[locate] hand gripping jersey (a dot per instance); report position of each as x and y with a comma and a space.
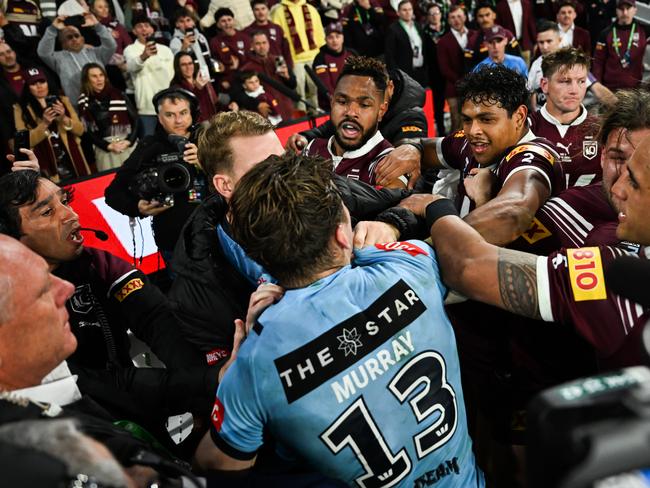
359, 164
572, 290
530, 153
577, 216
576, 143
357, 373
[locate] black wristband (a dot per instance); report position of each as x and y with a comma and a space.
439, 208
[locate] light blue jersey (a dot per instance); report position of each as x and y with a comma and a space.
358, 374
515, 63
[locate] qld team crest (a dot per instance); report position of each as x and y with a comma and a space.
589, 149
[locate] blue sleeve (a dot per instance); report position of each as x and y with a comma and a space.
237, 420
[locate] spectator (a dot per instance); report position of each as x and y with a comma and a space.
177, 111
111, 120
571, 34
279, 46
68, 63
229, 46
517, 17
25, 24
486, 16
253, 89
150, 9
260, 60
152, 67
404, 48
363, 28
358, 104
451, 58
54, 129
304, 32
187, 38
432, 32
497, 39
328, 63
241, 9
188, 76
116, 67
599, 14
618, 59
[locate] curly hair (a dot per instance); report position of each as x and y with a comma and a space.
366, 66
494, 85
563, 59
284, 213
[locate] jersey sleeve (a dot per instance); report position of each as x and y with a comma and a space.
236, 420
452, 150
572, 290
532, 156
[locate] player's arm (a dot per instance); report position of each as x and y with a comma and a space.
504, 218
421, 153
603, 94
209, 457
477, 269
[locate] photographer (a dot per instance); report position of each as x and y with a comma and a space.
176, 109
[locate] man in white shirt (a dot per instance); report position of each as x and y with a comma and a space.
570, 34
152, 67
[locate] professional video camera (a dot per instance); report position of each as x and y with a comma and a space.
170, 175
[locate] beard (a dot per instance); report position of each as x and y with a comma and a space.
365, 136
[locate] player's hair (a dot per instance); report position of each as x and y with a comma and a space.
221, 12
17, 188
259, 2
547, 25
567, 3
484, 4
631, 112
215, 152
284, 212
494, 85
366, 66
564, 59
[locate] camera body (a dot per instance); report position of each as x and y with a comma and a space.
75, 21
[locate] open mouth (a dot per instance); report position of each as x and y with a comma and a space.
75, 236
350, 130
479, 147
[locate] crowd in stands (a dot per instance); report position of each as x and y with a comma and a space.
371, 357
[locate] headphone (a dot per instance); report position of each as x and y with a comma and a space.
177, 92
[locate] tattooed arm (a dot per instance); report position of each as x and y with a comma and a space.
479, 270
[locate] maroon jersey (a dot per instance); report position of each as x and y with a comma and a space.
576, 143
16, 81
530, 152
572, 290
359, 164
223, 47
277, 42
576, 217
622, 69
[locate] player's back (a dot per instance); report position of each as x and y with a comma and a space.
358, 374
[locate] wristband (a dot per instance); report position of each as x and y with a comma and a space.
416, 143
439, 208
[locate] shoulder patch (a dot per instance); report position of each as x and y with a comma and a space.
131, 286
586, 274
531, 148
536, 232
412, 249
218, 414
459, 133
411, 128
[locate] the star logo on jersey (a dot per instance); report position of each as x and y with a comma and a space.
349, 341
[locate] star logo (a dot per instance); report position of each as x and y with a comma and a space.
349, 341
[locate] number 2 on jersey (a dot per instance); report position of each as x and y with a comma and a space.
356, 428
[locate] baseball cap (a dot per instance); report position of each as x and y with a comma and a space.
631, 3
34, 75
334, 27
497, 32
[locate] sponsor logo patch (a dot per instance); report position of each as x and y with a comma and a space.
218, 414
215, 355
586, 274
536, 232
131, 286
410, 128
412, 249
531, 148
459, 133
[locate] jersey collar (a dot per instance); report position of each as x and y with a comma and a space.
357, 153
578, 120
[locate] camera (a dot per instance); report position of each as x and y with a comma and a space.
279, 62
74, 20
169, 176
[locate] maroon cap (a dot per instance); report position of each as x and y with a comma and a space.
34, 75
631, 3
334, 27
497, 32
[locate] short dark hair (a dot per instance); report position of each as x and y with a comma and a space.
366, 66
567, 3
631, 111
489, 5
566, 58
221, 12
494, 85
259, 2
547, 25
455, 7
246, 75
180, 13
402, 2
17, 188
284, 213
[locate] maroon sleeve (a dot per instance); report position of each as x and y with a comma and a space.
572, 290
600, 55
109, 267
536, 156
453, 150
